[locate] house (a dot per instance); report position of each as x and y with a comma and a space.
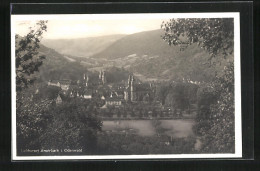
113, 101
54, 83
63, 84
58, 100
88, 94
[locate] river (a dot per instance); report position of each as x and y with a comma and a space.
176, 128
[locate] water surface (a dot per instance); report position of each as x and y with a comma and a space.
176, 128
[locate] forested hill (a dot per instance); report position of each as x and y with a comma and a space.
147, 54
56, 66
81, 47
143, 43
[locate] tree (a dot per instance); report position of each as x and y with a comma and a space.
27, 58
176, 96
206, 96
222, 114
31, 112
215, 122
74, 125
216, 35
31, 121
162, 91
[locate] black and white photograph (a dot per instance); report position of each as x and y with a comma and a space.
126, 86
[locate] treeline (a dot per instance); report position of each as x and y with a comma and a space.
178, 95
116, 75
71, 71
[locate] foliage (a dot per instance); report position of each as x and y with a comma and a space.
60, 70
43, 125
178, 95
115, 74
27, 58
181, 95
74, 126
47, 92
130, 144
206, 96
32, 118
216, 35
217, 129
162, 91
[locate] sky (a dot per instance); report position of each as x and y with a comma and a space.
91, 25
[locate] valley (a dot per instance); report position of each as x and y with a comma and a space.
144, 54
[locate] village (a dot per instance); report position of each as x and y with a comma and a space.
125, 100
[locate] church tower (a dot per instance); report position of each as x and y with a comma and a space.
129, 81
100, 75
85, 80
132, 88
103, 77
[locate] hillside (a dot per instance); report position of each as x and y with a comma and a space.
150, 58
192, 63
56, 65
143, 43
81, 47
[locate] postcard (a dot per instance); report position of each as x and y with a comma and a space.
126, 86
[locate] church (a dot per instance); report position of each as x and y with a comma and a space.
137, 91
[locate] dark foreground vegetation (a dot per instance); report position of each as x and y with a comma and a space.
120, 144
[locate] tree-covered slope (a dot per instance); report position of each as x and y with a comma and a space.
147, 54
56, 66
143, 43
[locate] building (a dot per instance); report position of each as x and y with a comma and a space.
88, 94
85, 80
102, 77
113, 101
58, 100
129, 93
137, 91
63, 84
